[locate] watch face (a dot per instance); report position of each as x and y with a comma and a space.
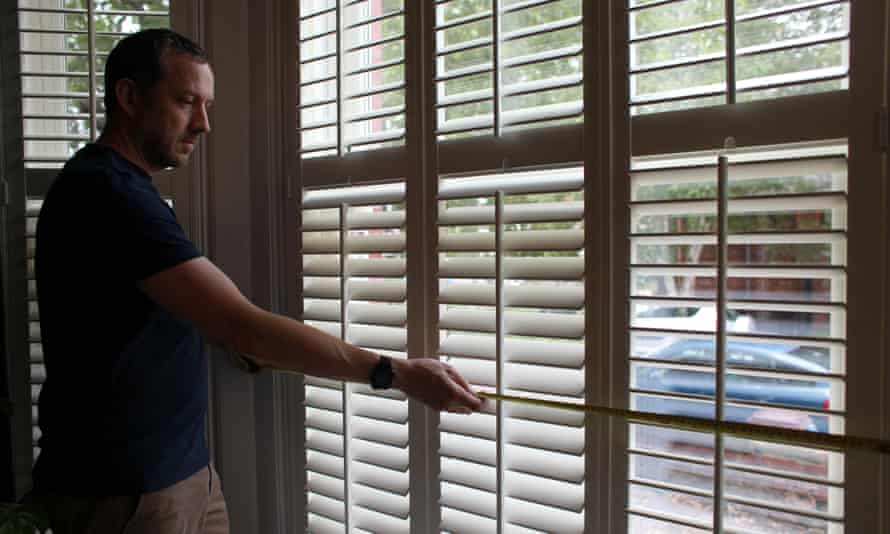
382, 376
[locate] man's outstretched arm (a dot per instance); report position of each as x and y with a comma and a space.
198, 291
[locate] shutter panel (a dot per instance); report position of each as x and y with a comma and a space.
511, 320
64, 46
352, 75
354, 279
786, 324
507, 64
680, 57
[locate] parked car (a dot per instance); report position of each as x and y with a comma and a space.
793, 392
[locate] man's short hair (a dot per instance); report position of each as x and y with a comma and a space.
139, 57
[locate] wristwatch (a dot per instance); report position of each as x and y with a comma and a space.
381, 375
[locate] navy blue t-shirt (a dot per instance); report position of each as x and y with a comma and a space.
123, 407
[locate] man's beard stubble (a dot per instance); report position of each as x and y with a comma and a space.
157, 156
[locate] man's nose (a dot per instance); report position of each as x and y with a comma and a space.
201, 121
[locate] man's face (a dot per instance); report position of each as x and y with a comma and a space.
175, 112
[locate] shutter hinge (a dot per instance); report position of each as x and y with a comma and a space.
884, 129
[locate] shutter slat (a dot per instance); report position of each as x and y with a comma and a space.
470, 500
556, 325
395, 482
378, 337
545, 436
372, 521
467, 448
327, 464
317, 440
544, 518
325, 507
457, 521
324, 420
540, 379
379, 290
836, 166
513, 213
330, 487
474, 346
526, 240
543, 182
378, 314
378, 431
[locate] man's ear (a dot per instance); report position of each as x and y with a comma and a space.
129, 97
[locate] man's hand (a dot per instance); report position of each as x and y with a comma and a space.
436, 384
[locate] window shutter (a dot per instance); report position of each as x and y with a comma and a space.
64, 45
507, 64
692, 53
354, 280
352, 75
786, 324
511, 320
63, 48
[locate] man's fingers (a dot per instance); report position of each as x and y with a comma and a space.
464, 397
462, 382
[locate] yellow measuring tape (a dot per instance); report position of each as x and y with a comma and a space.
746, 430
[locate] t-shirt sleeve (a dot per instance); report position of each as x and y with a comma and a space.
151, 238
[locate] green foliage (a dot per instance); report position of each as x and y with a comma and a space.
22, 519
752, 33
104, 23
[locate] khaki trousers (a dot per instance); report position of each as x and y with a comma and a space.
192, 506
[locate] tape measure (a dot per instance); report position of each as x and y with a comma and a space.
785, 436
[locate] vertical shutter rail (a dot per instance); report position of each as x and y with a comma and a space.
730, 52
91, 55
343, 252
499, 341
720, 353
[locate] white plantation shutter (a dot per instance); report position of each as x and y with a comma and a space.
511, 320
692, 53
354, 280
507, 64
63, 48
786, 326
352, 75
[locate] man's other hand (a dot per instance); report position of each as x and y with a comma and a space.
436, 384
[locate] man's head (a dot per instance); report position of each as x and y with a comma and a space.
158, 86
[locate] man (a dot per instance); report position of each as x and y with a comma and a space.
125, 299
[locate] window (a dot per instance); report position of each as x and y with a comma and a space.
506, 181
503, 65
692, 53
63, 47
352, 75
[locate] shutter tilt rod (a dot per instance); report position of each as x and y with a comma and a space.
784, 436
